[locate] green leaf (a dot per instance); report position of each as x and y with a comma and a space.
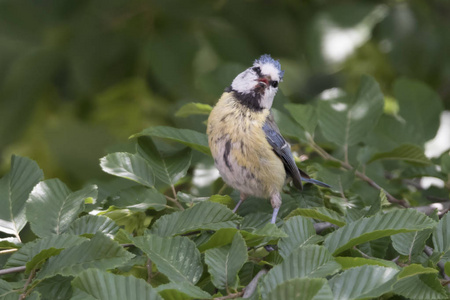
90, 224
375, 227
100, 252
168, 168
351, 262
300, 232
14, 190
181, 291
140, 198
7, 292
205, 215
445, 163
301, 288
32, 249
220, 238
107, 286
56, 287
225, 262
193, 109
407, 152
415, 269
53, 199
420, 107
421, 287
308, 261
411, 243
363, 282
129, 166
447, 268
441, 235
346, 123
305, 115
319, 213
269, 233
177, 257
190, 138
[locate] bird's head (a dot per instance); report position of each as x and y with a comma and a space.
256, 87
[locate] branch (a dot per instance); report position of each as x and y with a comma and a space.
175, 201
13, 270
429, 251
229, 296
25, 292
362, 176
251, 287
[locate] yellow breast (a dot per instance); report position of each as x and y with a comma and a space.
234, 126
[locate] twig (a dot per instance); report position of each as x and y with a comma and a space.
362, 253
25, 292
13, 270
7, 251
251, 287
175, 201
362, 176
429, 251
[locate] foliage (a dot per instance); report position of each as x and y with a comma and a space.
149, 236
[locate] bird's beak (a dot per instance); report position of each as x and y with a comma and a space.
263, 81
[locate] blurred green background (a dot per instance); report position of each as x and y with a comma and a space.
78, 77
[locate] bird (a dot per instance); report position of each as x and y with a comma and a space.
248, 149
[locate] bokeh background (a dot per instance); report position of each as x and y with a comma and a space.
78, 77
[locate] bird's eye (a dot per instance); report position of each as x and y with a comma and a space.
257, 69
274, 83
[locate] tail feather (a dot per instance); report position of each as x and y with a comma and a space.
317, 182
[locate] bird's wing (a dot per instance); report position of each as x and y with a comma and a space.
283, 150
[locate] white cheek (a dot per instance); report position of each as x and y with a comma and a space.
244, 82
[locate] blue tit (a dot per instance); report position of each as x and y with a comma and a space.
248, 149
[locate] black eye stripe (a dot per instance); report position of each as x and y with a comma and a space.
257, 70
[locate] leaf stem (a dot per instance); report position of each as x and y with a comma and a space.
149, 270
175, 201
251, 287
222, 189
25, 292
230, 296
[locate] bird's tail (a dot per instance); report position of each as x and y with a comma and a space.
317, 182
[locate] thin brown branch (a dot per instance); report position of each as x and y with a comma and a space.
175, 201
25, 292
12, 270
362, 176
222, 189
362, 253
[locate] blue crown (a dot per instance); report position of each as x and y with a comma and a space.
266, 58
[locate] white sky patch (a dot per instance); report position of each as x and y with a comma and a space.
338, 43
441, 142
427, 182
332, 93
339, 106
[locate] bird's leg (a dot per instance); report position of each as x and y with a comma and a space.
242, 198
275, 200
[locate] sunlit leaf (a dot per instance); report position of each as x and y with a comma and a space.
181, 291
363, 282
168, 168
351, 262
308, 261
14, 190
300, 232
140, 198
375, 227
54, 200
305, 115
225, 262
319, 213
90, 224
190, 138
193, 109
100, 252
177, 257
205, 215
129, 166
107, 286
